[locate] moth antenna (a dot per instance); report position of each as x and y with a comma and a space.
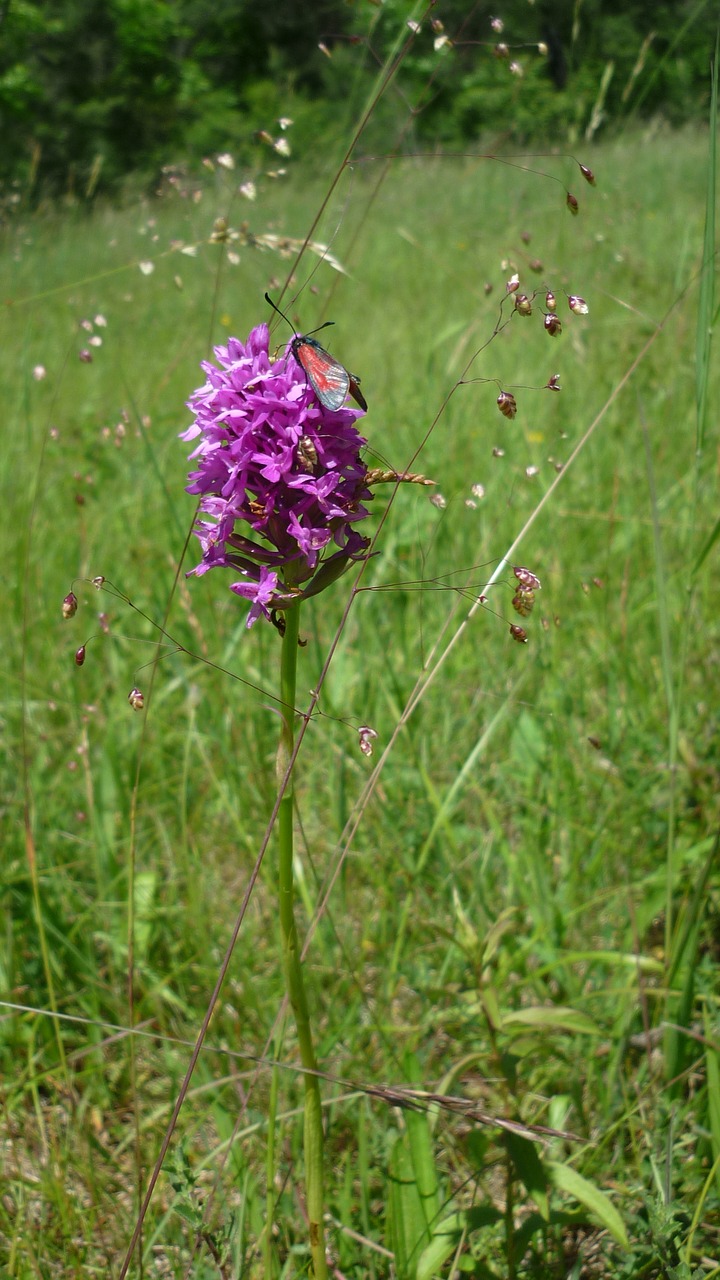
280, 313
288, 321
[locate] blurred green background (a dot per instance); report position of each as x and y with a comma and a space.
98, 93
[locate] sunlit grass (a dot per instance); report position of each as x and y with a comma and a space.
560, 818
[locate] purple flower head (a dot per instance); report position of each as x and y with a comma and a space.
271, 455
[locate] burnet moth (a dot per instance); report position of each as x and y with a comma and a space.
329, 379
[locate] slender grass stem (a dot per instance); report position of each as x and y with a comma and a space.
270, 1158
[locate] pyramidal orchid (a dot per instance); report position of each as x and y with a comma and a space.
281, 486
280, 478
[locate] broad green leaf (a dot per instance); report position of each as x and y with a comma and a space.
407, 1231
491, 1007
423, 1161
419, 1126
144, 897
441, 1247
565, 1178
558, 1017
447, 1237
614, 960
529, 1169
505, 921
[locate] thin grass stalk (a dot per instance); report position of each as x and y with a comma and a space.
313, 1130
706, 303
28, 809
270, 1163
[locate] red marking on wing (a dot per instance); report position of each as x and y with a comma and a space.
328, 378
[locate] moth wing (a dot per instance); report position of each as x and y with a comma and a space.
356, 393
328, 378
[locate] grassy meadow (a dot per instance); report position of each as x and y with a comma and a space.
520, 916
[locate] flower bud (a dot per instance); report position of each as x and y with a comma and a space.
497, 25
523, 602
501, 51
98, 582
523, 304
528, 580
85, 356
518, 633
220, 232
136, 698
578, 305
553, 325
507, 404
307, 454
536, 265
69, 605
587, 174
80, 656
513, 284
572, 204
550, 300
553, 383
366, 736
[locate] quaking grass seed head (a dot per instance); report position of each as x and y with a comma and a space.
69, 605
507, 404
523, 602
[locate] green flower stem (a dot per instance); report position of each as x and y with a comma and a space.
313, 1131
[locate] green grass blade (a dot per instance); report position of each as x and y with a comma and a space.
407, 1231
565, 1178
712, 1068
706, 303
